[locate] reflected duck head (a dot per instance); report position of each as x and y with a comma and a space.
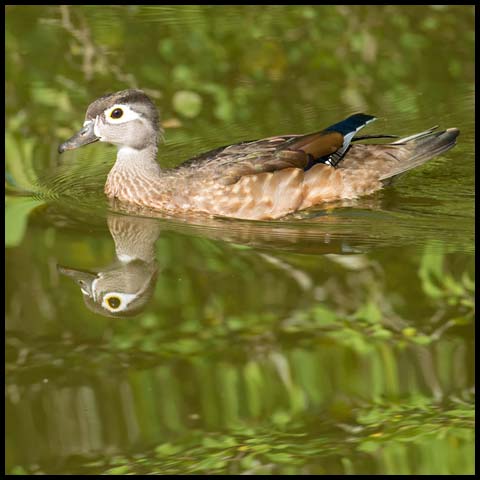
123, 291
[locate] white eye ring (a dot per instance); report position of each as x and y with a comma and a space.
127, 114
124, 298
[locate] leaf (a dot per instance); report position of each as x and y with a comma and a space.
17, 211
213, 462
19, 160
220, 442
468, 283
120, 470
324, 316
167, 449
368, 446
187, 103
453, 286
422, 339
369, 312
431, 270
281, 457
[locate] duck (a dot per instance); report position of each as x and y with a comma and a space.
125, 286
264, 179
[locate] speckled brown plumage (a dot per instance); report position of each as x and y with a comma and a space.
262, 179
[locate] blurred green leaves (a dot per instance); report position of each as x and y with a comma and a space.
204, 45
378, 432
442, 287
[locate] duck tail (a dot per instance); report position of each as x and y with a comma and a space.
422, 147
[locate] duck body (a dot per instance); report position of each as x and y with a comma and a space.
258, 180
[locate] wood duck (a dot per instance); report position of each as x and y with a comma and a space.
123, 288
259, 180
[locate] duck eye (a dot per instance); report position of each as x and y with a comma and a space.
117, 113
114, 302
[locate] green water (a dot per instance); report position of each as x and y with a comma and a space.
336, 341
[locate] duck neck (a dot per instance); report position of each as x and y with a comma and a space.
142, 161
133, 171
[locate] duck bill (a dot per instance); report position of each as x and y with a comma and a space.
85, 136
83, 278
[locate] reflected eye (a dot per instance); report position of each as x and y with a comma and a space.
117, 302
117, 113
113, 302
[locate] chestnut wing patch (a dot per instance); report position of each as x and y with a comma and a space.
228, 164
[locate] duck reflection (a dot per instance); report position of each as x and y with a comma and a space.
123, 288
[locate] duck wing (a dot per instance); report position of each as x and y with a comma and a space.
229, 163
